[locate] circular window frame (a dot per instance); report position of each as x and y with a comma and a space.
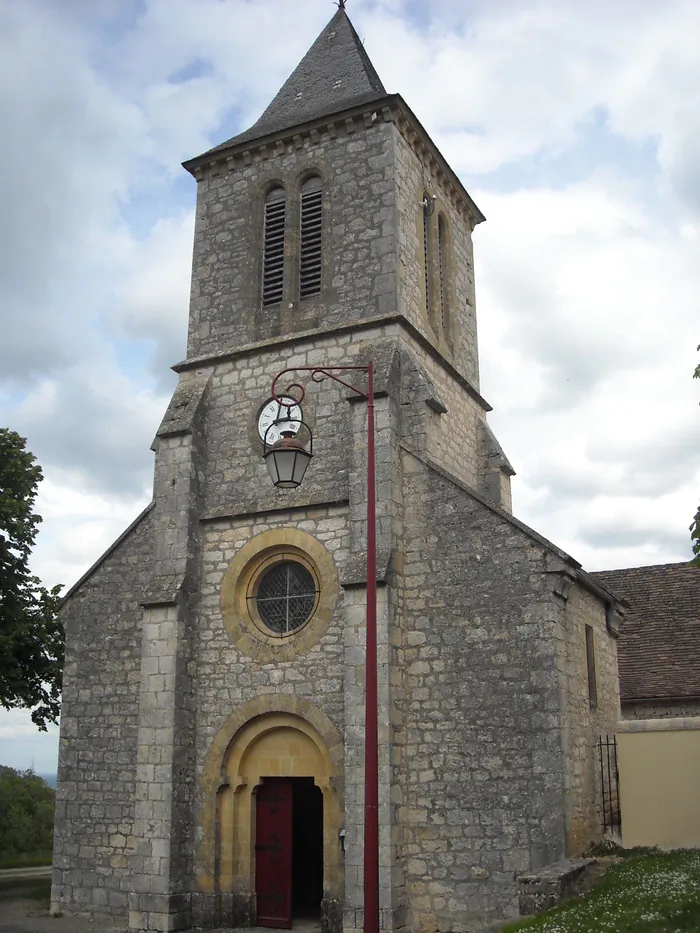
245, 628
266, 565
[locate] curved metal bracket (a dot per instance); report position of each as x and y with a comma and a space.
318, 374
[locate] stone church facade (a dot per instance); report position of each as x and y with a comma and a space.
215, 654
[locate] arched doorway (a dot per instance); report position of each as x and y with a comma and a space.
271, 833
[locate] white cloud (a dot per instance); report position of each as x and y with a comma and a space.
155, 295
587, 316
22, 746
498, 82
79, 526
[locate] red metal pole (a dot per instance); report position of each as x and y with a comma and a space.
371, 853
371, 847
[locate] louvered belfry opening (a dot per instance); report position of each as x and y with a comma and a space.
426, 256
310, 252
273, 247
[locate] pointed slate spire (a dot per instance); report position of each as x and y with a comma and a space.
335, 73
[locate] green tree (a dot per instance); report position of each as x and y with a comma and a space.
31, 637
695, 527
26, 813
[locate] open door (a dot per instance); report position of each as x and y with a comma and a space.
273, 853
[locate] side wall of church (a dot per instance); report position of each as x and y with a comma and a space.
458, 340
99, 726
480, 766
585, 720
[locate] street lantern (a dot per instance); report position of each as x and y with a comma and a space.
287, 460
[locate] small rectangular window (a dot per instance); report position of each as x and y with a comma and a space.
590, 665
310, 251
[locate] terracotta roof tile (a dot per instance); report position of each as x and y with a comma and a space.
659, 646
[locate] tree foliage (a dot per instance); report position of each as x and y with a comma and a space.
695, 526
26, 813
31, 637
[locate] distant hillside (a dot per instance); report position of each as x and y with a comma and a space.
50, 779
26, 818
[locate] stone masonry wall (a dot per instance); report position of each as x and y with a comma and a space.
236, 478
459, 344
451, 437
227, 679
239, 502
478, 766
359, 273
236, 481
99, 725
583, 723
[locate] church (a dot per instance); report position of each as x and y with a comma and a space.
211, 764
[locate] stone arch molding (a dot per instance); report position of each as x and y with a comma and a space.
281, 736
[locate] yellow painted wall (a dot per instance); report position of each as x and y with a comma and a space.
659, 764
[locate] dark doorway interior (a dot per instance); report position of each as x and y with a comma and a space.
307, 859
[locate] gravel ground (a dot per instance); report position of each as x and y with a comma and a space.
24, 907
23, 916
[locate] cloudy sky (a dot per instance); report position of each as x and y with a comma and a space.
574, 125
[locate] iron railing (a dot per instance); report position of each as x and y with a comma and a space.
609, 783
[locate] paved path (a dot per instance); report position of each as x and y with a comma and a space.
20, 914
28, 917
20, 874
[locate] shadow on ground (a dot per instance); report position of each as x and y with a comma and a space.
24, 908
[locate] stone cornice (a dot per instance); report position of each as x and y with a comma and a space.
390, 109
229, 515
437, 166
254, 349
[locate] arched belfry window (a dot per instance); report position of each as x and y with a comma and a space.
310, 234
442, 272
273, 246
426, 250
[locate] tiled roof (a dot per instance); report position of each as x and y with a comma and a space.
659, 646
336, 73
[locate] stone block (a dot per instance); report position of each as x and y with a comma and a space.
552, 884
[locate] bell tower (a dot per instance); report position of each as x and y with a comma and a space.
334, 209
332, 231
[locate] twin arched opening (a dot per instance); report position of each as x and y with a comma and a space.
307, 249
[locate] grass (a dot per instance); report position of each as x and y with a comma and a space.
35, 860
656, 893
33, 889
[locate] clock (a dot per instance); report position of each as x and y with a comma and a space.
273, 411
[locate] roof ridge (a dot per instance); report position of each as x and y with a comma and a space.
645, 567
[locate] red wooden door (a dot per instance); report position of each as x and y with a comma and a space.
273, 853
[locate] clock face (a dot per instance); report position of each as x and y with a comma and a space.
272, 411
